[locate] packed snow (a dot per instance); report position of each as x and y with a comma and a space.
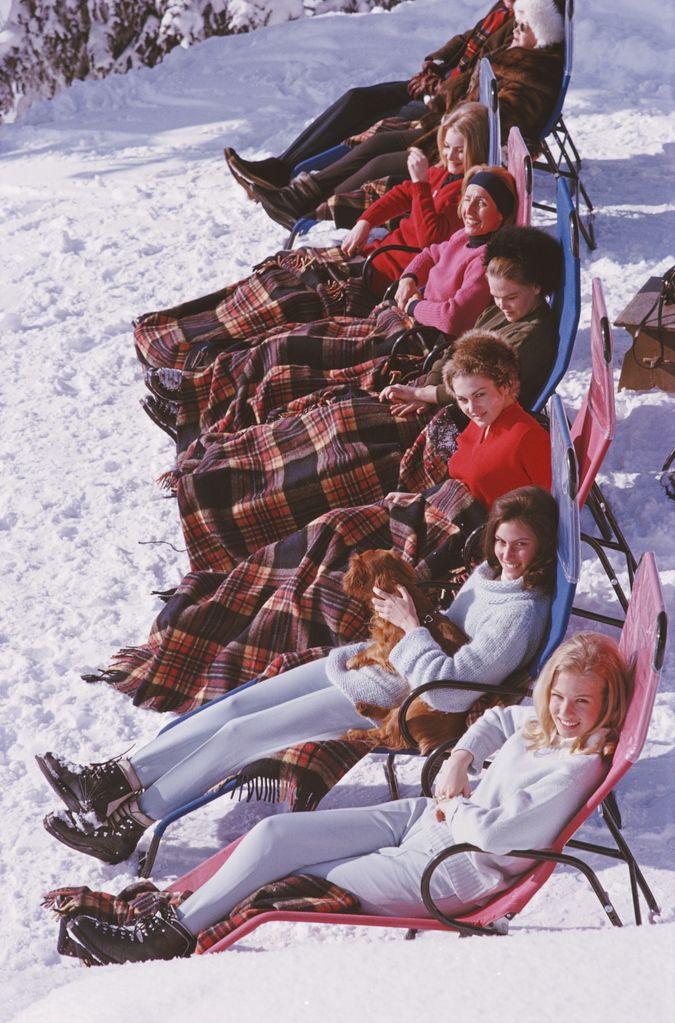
116, 201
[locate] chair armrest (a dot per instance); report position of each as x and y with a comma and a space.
454, 684
367, 270
427, 335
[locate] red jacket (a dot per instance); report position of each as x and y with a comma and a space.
431, 208
515, 453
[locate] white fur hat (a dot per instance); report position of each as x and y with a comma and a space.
544, 19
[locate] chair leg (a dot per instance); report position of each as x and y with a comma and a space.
637, 878
390, 775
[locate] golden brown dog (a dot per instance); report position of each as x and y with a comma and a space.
387, 570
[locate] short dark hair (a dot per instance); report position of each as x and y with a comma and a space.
526, 255
536, 508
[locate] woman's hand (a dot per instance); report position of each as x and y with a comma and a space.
354, 241
407, 290
397, 608
407, 400
453, 777
418, 165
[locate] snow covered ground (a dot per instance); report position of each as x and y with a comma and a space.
116, 200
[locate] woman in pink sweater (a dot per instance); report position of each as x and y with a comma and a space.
445, 285
455, 293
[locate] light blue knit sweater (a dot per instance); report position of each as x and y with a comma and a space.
505, 624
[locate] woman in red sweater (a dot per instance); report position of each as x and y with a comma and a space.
503, 447
310, 284
428, 202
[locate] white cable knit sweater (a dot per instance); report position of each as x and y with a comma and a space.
505, 624
522, 802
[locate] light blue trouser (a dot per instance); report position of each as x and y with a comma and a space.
377, 852
187, 759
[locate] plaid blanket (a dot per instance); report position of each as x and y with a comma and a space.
299, 893
284, 604
300, 775
345, 208
257, 486
289, 287
241, 388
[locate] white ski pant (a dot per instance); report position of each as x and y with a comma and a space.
377, 852
181, 763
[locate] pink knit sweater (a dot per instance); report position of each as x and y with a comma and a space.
455, 286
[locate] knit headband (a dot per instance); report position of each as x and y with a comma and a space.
497, 189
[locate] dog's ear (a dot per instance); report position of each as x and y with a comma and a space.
357, 575
398, 570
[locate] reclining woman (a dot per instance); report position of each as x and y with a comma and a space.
237, 617
308, 284
340, 446
548, 759
524, 266
359, 108
503, 610
456, 292
528, 72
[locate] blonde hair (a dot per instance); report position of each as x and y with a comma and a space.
471, 121
598, 659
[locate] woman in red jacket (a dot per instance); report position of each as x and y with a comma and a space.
429, 201
308, 284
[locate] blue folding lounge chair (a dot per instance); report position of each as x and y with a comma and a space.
555, 150
642, 641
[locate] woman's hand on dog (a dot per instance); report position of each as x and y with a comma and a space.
396, 608
453, 777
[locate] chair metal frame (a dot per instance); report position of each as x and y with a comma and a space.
555, 151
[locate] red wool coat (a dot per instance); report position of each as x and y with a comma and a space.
431, 208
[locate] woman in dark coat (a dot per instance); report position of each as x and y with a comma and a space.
528, 72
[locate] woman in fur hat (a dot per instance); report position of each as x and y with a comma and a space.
528, 70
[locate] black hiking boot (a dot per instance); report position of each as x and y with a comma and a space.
98, 788
287, 205
164, 383
113, 841
270, 173
160, 936
163, 413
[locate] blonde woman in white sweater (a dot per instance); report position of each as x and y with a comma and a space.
503, 609
550, 758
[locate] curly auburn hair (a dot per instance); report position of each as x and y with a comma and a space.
525, 255
598, 660
483, 353
537, 509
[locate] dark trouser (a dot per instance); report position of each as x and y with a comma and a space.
353, 112
382, 156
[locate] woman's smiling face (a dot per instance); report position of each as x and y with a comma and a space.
479, 212
453, 151
516, 548
480, 398
575, 704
